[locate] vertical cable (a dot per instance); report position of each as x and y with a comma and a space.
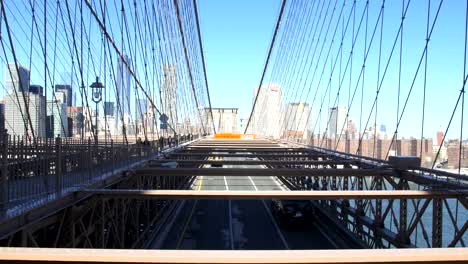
278, 22
425, 79
203, 62
399, 74
378, 80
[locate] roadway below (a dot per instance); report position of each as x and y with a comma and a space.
236, 224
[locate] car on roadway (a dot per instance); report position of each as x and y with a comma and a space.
289, 213
216, 165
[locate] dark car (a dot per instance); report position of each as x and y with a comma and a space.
216, 165
291, 212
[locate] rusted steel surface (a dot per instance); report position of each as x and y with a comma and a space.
408, 256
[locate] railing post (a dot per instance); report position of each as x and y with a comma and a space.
437, 215
112, 155
58, 165
4, 173
89, 159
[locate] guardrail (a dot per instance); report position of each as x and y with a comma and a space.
35, 172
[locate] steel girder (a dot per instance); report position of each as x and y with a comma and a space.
258, 172
282, 195
102, 222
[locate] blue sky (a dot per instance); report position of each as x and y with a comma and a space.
236, 36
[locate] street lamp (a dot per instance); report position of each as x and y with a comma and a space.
96, 87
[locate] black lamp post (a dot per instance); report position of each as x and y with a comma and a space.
97, 88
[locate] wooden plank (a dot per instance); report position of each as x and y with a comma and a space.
407, 256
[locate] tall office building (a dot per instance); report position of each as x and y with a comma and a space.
75, 114
266, 118
337, 118
2, 116
123, 94
67, 91
440, 137
169, 93
58, 119
16, 78
296, 120
16, 115
19, 102
36, 89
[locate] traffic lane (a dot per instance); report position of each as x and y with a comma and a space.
207, 227
304, 235
253, 226
200, 224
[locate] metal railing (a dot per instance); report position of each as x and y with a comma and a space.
35, 172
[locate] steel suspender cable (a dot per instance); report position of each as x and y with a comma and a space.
110, 39
278, 22
181, 30
203, 62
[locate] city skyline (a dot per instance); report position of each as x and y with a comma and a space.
258, 31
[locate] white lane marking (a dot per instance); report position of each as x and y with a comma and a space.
226, 184
230, 214
275, 180
271, 217
253, 183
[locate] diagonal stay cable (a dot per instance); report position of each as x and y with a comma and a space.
278, 22
119, 53
203, 62
181, 31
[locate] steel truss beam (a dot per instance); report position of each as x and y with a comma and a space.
407, 256
284, 195
261, 155
244, 149
259, 172
255, 162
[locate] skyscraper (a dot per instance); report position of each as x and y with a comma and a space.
169, 93
16, 78
19, 102
337, 118
16, 114
57, 114
67, 91
296, 120
266, 118
123, 94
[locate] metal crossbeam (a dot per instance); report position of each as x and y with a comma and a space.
256, 162
261, 155
259, 172
407, 256
282, 195
244, 149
